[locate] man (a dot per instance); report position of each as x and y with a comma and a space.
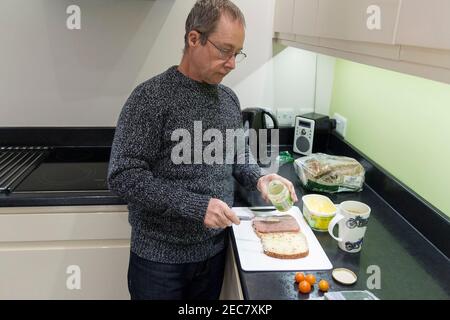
179, 212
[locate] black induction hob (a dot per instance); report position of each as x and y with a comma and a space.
69, 170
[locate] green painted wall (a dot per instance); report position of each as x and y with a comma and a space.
401, 122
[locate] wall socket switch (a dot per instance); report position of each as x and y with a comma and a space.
341, 124
286, 117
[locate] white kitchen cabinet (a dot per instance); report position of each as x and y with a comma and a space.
305, 17
358, 20
426, 56
64, 223
64, 270
74, 252
284, 14
409, 36
424, 24
363, 48
231, 288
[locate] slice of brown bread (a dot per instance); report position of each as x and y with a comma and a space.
285, 245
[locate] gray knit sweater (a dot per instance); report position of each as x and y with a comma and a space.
167, 202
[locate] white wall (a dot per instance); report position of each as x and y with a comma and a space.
325, 77
52, 76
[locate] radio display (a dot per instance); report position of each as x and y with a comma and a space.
304, 124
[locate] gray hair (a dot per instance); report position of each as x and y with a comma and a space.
205, 16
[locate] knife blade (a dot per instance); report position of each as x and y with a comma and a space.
262, 209
272, 218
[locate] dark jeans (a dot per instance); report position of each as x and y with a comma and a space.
148, 280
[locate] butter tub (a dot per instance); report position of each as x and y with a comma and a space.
318, 211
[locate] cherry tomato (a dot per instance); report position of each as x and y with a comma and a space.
304, 287
324, 286
299, 277
311, 279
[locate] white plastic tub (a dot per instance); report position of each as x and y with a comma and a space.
318, 211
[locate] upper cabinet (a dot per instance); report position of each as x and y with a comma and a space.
284, 16
358, 20
305, 17
410, 36
424, 24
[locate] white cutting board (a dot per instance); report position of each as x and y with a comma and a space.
252, 257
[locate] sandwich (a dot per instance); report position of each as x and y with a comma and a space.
281, 238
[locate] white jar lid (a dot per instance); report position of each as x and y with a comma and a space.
344, 276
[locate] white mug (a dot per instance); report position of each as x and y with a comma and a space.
352, 218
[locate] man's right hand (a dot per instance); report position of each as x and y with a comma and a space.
219, 215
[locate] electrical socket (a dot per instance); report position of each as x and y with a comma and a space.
341, 124
286, 117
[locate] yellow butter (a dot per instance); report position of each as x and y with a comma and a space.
320, 205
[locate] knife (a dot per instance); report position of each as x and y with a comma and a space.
258, 211
273, 218
262, 209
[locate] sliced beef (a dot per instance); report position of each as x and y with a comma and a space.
286, 224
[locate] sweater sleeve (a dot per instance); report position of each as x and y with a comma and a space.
135, 148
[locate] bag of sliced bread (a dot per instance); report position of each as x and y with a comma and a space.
327, 173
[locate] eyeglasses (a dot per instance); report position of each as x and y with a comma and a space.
226, 54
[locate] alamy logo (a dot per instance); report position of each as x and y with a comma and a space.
73, 22
73, 281
374, 19
237, 147
374, 280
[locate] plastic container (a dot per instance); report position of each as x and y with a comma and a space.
320, 172
279, 195
318, 211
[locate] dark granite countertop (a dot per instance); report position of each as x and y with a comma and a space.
30, 199
410, 266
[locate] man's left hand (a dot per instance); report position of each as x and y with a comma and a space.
263, 183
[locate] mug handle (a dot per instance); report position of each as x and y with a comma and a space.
333, 222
